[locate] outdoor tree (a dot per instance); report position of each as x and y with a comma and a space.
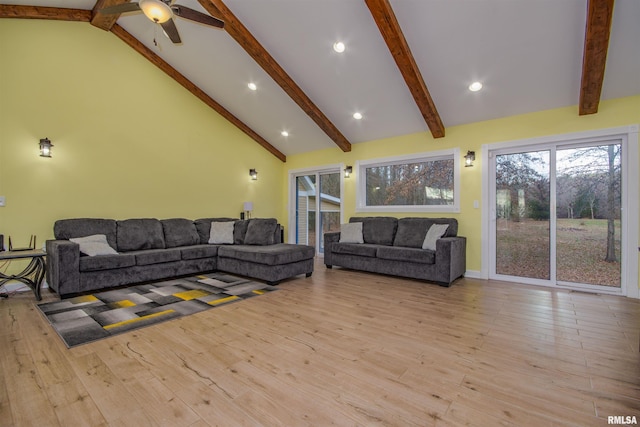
596, 173
424, 183
523, 177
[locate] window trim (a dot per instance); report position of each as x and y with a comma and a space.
361, 184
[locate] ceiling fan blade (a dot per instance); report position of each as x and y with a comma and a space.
120, 8
171, 30
194, 15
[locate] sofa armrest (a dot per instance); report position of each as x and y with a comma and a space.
451, 258
63, 266
329, 240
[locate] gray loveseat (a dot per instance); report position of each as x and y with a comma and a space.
394, 246
151, 249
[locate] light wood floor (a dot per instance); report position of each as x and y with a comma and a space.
340, 348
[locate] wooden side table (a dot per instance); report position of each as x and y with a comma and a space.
32, 275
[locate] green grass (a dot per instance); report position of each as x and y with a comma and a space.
523, 250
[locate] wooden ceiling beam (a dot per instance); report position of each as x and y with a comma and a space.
40, 12
102, 21
126, 37
250, 44
392, 34
594, 59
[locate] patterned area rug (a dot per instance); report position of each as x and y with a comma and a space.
88, 318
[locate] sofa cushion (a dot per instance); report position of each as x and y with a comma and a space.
65, 229
93, 245
221, 233
351, 233
261, 232
412, 231
106, 262
240, 231
198, 251
397, 253
355, 249
179, 232
276, 254
140, 233
435, 232
203, 226
377, 230
156, 256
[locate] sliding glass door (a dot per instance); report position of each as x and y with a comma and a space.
318, 205
588, 214
522, 236
556, 215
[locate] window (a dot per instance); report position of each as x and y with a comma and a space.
425, 182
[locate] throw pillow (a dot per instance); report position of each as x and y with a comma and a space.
351, 233
435, 232
221, 233
93, 245
261, 232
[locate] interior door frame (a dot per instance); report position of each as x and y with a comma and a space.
291, 199
628, 136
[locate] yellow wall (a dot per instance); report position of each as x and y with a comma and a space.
128, 140
618, 112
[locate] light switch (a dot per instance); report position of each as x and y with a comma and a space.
2, 201
476, 204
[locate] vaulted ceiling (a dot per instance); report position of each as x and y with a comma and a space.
406, 67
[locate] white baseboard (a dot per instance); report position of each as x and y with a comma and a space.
474, 274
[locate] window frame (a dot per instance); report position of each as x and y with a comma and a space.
361, 184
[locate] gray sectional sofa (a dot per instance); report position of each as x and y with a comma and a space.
145, 249
394, 246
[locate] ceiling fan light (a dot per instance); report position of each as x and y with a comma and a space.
475, 86
156, 10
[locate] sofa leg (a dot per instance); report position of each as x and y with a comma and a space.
309, 274
273, 283
328, 266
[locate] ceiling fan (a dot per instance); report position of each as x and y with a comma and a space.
162, 12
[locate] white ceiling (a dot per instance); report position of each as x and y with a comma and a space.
527, 54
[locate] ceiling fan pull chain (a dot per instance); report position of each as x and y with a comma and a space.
155, 37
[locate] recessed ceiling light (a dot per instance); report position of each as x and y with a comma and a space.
357, 115
284, 133
339, 47
475, 86
252, 86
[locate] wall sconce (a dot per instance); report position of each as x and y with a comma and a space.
45, 147
469, 158
253, 174
348, 171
